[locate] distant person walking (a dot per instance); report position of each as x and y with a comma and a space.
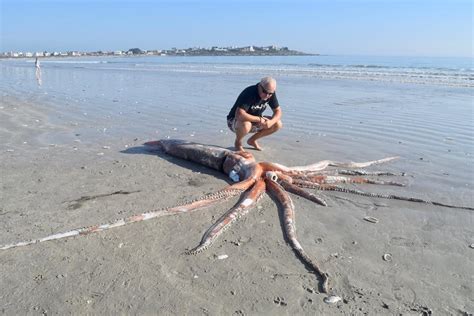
246, 116
38, 71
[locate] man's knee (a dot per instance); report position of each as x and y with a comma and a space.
278, 125
243, 126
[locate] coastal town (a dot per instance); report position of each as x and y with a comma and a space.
194, 51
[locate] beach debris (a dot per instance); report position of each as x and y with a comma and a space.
106, 147
280, 301
311, 290
387, 257
222, 257
332, 299
120, 245
39, 278
195, 276
471, 246
371, 219
10, 150
100, 154
424, 311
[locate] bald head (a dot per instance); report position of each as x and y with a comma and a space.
268, 83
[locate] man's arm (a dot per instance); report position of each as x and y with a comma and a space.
242, 115
277, 113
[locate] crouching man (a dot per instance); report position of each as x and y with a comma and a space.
246, 116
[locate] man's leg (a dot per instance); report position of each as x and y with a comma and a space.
241, 129
252, 141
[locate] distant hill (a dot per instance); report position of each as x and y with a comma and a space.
195, 51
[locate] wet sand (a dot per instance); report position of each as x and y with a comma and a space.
141, 268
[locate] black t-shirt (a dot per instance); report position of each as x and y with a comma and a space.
250, 101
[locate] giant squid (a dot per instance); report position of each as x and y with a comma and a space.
252, 180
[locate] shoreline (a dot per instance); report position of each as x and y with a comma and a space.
126, 269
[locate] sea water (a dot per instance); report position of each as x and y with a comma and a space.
334, 107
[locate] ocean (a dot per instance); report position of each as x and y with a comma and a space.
334, 107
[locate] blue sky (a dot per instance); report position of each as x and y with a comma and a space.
362, 27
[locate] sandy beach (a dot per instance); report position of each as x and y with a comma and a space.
56, 177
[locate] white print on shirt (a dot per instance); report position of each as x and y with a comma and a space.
258, 107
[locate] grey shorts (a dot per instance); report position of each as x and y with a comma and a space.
231, 124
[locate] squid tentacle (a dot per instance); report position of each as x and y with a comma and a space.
197, 204
326, 187
368, 173
303, 193
321, 165
325, 179
348, 172
229, 217
287, 183
289, 219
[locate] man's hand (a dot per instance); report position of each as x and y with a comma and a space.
265, 123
